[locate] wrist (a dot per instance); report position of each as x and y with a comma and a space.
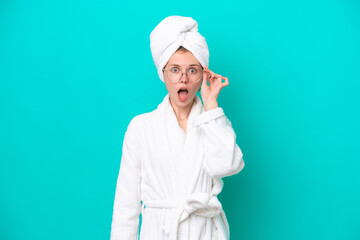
210, 106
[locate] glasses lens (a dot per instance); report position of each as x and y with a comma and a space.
172, 75
196, 77
194, 74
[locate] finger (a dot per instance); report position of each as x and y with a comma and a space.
217, 78
214, 80
208, 70
211, 79
226, 81
205, 78
214, 77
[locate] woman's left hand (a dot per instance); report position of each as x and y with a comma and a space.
209, 94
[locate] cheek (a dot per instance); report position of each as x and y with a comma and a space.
170, 88
197, 87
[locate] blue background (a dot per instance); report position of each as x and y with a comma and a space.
74, 73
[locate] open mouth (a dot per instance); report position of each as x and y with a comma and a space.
183, 94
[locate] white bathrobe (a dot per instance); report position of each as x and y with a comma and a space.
173, 178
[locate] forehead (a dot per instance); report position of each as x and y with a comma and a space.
183, 59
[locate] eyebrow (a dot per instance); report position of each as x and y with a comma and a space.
173, 64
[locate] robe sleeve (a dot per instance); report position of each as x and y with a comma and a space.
127, 203
222, 156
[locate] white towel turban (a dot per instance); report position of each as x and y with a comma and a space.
173, 32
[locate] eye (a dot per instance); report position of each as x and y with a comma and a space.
192, 70
174, 70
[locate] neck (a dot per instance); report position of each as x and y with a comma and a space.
182, 113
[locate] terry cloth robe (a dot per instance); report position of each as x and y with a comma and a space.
173, 178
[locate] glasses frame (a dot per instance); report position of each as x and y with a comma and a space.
186, 73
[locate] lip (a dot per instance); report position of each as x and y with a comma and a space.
184, 88
186, 97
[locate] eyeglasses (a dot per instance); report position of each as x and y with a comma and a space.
194, 74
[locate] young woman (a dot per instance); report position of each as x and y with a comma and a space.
174, 157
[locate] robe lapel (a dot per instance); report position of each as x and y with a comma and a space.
186, 150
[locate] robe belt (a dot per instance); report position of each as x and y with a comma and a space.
198, 203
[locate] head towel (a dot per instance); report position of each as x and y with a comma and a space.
173, 32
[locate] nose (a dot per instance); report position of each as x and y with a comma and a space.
184, 77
